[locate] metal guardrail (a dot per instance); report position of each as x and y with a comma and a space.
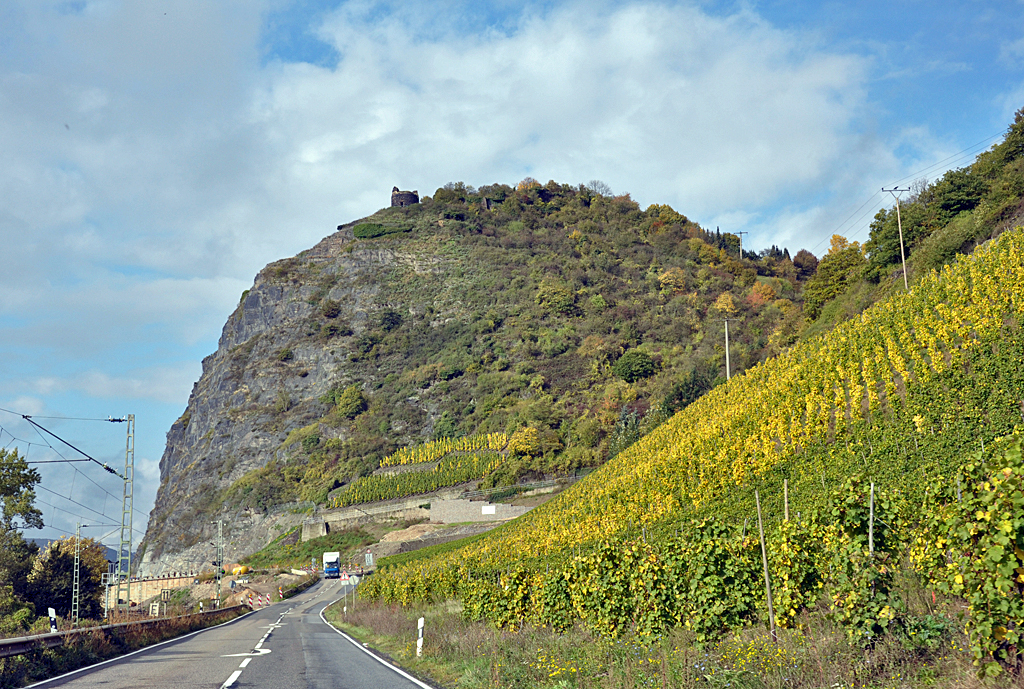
24, 644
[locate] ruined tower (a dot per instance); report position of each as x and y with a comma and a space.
404, 198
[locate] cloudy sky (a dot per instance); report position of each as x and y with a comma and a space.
156, 154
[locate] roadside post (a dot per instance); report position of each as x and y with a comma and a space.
53, 619
419, 638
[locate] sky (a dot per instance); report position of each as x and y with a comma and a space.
154, 156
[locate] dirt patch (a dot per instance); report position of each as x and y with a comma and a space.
413, 532
423, 535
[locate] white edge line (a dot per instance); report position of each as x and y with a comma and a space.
380, 660
231, 679
127, 655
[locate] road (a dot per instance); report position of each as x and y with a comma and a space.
286, 645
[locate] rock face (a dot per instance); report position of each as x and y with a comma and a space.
283, 348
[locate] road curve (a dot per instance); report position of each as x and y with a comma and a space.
284, 646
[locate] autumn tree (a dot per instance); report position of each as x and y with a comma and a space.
841, 265
805, 263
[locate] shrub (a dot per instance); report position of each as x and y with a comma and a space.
351, 402
285, 354
634, 365
330, 308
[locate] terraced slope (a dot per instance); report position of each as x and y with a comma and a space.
900, 394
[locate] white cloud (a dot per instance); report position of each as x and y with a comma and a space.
153, 164
170, 384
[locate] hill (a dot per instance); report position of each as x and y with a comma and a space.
477, 311
903, 399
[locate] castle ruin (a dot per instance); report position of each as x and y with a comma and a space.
404, 198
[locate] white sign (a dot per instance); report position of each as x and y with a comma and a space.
354, 579
487, 509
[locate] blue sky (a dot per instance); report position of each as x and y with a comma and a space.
156, 155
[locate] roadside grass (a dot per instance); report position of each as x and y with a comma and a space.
99, 645
464, 654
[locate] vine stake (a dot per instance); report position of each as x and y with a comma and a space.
767, 577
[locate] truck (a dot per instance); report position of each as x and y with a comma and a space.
332, 565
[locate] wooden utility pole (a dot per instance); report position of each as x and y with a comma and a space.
896, 193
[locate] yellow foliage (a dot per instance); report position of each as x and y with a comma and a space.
762, 417
725, 304
525, 441
673, 279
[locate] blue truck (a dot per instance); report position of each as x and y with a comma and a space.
332, 565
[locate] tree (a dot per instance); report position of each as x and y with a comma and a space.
806, 264
699, 380
51, 581
634, 365
17, 494
843, 262
725, 304
351, 402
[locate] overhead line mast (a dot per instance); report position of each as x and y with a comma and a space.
123, 574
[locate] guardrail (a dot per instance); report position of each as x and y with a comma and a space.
25, 644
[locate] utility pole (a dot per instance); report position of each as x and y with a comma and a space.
728, 372
75, 590
740, 235
123, 574
219, 562
896, 193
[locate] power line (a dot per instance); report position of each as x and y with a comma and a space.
81, 452
958, 155
964, 153
65, 497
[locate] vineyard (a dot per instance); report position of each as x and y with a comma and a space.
435, 450
454, 469
898, 397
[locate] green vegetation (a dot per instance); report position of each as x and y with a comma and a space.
551, 307
369, 230
898, 398
450, 471
287, 550
929, 652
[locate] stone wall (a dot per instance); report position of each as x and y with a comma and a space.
458, 510
346, 517
143, 589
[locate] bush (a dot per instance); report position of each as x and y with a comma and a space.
330, 308
634, 365
369, 230
351, 402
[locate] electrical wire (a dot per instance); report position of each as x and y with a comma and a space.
87, 458
956, 157
65, 497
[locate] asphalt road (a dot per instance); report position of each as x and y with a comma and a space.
286, 645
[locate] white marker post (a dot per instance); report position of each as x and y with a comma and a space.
419, 639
